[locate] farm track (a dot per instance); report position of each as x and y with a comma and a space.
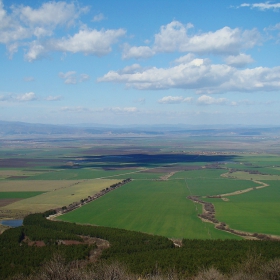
262, 185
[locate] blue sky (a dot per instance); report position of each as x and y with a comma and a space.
140, 62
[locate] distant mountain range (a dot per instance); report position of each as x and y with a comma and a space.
25, 129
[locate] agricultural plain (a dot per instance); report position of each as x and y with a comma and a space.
157, 207
166, 172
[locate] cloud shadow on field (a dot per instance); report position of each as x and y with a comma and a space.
146, 160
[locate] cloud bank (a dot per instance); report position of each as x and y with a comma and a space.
201, 76
34, 29
174, 37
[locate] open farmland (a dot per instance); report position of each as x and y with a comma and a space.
164, 173
73, 191
40, 185
20, 195
250, 176
255, 211
158, 207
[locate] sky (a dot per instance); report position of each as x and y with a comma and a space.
125, 62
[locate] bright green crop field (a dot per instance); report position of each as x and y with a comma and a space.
209, 186
255, 211
157, 207
199, 174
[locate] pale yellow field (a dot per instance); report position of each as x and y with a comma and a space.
246, 176
36, 185
73, 192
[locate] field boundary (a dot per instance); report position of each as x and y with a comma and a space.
76, 205
208, 215
263, 185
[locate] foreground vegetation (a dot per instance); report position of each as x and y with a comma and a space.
141, 253
253, 268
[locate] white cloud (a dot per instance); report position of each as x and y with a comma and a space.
34, 28
53, 98
131, 69
49, 14
77, 109
122, 109
36, 51
137, 52
71, 77
29, 96
98, 17
202, 77
24, 22
185, 59
87, 41
68, 77
115, 110
240, 60
208, 100
174, 37
25, 97
174, 99
262, 6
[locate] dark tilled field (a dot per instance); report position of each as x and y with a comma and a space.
7, 201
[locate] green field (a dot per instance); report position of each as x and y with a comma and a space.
247, 176
255, 211
204, 186
158, 207
5, 195
199, 174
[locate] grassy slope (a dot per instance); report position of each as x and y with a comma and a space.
158, 207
